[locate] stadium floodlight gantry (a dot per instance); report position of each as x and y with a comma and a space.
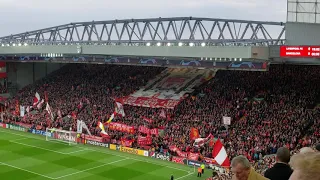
177, 31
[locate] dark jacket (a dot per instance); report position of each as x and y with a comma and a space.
279, 171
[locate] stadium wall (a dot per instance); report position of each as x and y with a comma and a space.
22, 74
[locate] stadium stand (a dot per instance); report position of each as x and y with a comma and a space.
268, 109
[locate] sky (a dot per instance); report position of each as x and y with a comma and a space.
25, 15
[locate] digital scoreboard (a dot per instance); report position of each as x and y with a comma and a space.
300, 51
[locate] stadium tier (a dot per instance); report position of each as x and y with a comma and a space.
165, 111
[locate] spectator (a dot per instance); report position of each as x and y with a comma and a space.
281, 170
242, 169
318, 148
305, 166
306, 150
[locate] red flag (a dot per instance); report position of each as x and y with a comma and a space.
220, 154
194, 133
46, 96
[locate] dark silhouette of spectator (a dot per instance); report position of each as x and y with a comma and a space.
281, 170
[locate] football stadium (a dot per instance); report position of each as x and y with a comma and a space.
178, 98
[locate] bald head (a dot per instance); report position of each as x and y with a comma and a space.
283, 155
306, 150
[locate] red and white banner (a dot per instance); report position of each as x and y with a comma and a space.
142, 141
92, 138
193, 156
178, 160
146, 130
121, 127
150, 121
210, 160
151, 102
126, 142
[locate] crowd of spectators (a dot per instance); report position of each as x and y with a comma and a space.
268, 109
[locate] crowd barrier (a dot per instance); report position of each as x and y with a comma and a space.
98, 141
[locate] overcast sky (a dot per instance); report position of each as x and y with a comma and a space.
25, 15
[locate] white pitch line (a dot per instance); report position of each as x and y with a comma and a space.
5, 164
184, 176
113, 162
38, 147
14, 140
106, 152
76, 151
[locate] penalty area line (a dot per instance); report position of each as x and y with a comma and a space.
15, 167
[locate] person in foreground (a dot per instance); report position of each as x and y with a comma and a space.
306, 166
281, 170
242, 170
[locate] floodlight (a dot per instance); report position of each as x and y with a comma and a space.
19, 44
169, 44
191, 44
148, 44
203, 44
158, 44
180, 44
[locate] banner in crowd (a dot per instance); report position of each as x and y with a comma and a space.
150, 121
159, 156
126, 142
178, 160
193, 156
22, 111
151, 102
210, 161
142, 141
92, 138
146, 130
121, 127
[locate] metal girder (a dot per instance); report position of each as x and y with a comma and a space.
221, 32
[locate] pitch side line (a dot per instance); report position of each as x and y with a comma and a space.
15, 167
106, 152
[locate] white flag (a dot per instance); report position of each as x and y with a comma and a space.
79, 126
36, 99
84, 126
22, 111
48, 108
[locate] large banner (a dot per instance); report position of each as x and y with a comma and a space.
121, 127
126, 142
151, 102
143, 141
146, 130
92, 138
178, 160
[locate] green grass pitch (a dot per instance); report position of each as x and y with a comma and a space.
25, 156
